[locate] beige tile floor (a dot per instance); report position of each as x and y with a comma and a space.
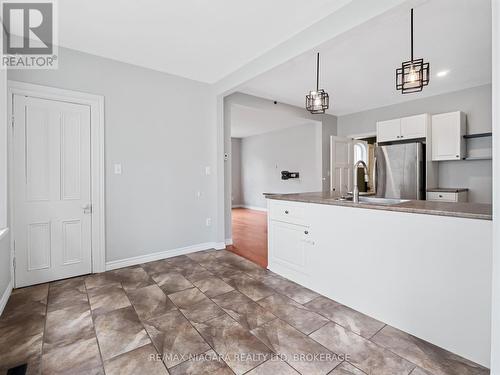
210, 312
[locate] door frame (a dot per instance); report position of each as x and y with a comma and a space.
332, 165
97, 156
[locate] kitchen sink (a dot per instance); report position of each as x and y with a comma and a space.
375, 200
383, 201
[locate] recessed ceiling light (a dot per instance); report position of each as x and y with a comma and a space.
442, 73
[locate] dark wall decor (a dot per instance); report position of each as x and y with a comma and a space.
285, 175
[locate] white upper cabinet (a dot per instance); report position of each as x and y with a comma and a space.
414, 126
400, 129
389, 130
448, 130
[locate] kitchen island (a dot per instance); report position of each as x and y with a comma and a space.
422, 267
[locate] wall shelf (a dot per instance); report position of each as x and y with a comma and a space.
478, 135
478, 158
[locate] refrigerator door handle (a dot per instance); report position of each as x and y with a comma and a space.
374, 175
419, 166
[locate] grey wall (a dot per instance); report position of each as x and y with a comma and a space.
475, 102
329, 128
263, 157
157, 127
236, 188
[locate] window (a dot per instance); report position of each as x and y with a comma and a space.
360, 152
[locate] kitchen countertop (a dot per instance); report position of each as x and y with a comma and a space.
447, 190
463, 210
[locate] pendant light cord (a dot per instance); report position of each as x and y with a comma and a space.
411, 33
317, 73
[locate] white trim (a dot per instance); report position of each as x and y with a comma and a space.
96, 103
218, 245
3, 233
5, 297
115, 264
495, 315
255, 208
362, 135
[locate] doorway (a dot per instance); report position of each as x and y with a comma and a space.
272, 149
56, 178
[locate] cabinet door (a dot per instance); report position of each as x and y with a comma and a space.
288, 245
389, 130
414, 127
447, 136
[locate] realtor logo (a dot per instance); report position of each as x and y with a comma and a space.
29, 35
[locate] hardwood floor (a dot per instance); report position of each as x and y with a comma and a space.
250, 235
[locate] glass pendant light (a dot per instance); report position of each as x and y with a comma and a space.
317, 102
414, 74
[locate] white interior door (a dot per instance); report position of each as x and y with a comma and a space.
52, 195
341, 164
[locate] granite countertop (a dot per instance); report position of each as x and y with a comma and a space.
447, 190
464, 210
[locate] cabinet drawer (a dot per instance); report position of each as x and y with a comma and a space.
287, 212
442, 197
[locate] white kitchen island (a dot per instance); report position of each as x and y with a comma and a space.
423, 268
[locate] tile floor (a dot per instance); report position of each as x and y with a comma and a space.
211, 312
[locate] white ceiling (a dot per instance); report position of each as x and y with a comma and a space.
358, 67
198, 39
248, 121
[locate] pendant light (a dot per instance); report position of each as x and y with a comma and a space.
414, 74
317, 102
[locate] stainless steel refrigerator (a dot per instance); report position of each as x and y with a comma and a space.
400, 171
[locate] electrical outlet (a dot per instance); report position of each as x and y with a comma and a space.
118, 168
208, 221
198, 194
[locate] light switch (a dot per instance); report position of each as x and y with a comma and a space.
118, 169
208, 171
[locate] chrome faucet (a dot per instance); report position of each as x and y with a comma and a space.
355, 190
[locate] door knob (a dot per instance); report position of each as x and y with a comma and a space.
87, 208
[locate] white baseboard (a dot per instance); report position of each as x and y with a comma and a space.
115, 264
229, 241
5, 297
264, 209
218, 246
